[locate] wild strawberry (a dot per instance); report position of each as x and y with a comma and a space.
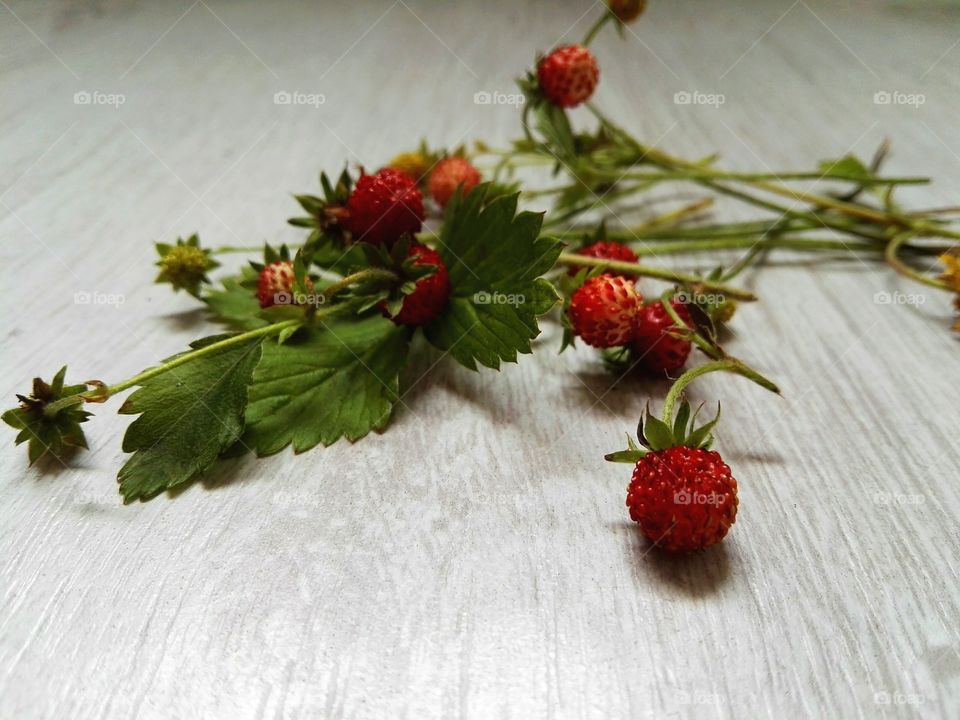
414, 164
275, 284
681, 493
384, 206
657, 350
449, 174
568, 75
430, 293
627, 10
684, 498
606, 251
603, 311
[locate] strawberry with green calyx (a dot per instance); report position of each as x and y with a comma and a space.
49, 418
682, 494
384, 206
448, 175
185, 265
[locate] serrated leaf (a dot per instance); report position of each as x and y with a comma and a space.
494, 258
188, 416
235, 304
337, 380
701, 436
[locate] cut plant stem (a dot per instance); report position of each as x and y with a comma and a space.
891, 254
727, 365
640, 270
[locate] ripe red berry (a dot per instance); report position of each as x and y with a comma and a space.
275, 284
384, 206
448, 175
658, 351
606, 251
683, 498
603, 311
430, 294
568, 75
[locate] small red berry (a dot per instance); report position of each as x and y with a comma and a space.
568, 75
430, 294
606, 251
448, 175
683, 498
603, 311
384, 206
275, 284
627, 10
657, 350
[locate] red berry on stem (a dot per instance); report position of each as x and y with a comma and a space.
568, 75
430, 294
606, 251
603, 311
448, 175
384, 206
275, 284
658, 351
683, 498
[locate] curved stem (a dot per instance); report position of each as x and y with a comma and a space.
891, 255
370, 274
727, 364
637, 269
597, 26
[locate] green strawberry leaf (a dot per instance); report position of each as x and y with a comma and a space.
494, 258
340, 379
236, 305
188, 416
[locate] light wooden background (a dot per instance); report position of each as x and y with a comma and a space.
477, 560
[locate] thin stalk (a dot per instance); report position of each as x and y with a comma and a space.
597, 26
639, 270
891, 254
727, 365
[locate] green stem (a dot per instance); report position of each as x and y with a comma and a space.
727, 364
629, 268
799, 243
891, 255
597, 26
707, 174
370, 274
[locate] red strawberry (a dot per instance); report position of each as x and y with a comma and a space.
384, 206
627, 10
275, 285
603, 311
606, 251
448, 175
684, 498
658, 351
568, 75
430, 294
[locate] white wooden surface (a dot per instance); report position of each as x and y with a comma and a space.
477, 560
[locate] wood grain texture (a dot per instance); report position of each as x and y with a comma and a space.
476, 560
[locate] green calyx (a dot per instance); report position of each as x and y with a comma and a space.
49, 419
656, 434
185, 265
